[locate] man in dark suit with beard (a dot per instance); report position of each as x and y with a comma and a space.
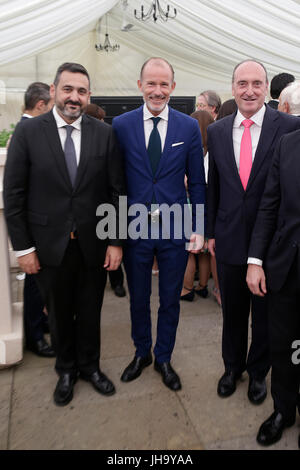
241, 148
60, 167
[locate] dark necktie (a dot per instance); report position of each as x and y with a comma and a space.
154, 146
70, 155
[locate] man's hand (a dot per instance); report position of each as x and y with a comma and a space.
113, 258
256, 280
212, 246
29, 263
196, 243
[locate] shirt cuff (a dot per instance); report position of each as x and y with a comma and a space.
24, 252
256, 261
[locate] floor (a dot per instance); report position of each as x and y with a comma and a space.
143, 414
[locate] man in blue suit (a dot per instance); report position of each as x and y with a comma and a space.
241, 148
160, 146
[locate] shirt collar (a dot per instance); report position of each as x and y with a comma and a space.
60, 122
257, 118
27, 115
163, 115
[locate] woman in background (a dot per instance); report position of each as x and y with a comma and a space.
206, 265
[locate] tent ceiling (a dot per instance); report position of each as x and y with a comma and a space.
203, 43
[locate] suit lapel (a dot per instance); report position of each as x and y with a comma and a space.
86, 139
50, 129
171, 131
229, 154
269, 128
140, 137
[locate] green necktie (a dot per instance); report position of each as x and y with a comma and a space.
154, 146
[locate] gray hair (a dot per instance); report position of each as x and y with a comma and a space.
291, 95
212, 99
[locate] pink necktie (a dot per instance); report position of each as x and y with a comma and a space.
246, 153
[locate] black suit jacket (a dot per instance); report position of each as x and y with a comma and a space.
276, 234
273, 103
232, 210
41, 207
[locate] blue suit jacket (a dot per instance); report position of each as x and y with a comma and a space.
168, 183
232, 211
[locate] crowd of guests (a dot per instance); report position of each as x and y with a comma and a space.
238, 158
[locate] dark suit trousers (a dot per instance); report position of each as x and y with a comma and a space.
74, 293
284, 324
138, 261
34, 317
236, 303
116, 277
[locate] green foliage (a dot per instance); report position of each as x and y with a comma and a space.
5, 135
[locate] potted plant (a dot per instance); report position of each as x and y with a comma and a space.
5, 135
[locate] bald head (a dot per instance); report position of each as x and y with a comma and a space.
156, 61
250, 61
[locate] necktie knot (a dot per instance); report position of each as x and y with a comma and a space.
69, 130
247, 123
155, 121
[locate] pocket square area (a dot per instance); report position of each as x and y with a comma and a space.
177, 143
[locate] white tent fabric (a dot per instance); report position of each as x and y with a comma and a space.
28, 27
204, 43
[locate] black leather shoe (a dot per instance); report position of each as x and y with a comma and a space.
119, 291
189, 296
271, 429
41, 348
257, 391
227, 384
169, 376
135, 368
203, 292
63, 392
100, 382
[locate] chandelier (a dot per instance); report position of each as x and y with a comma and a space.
107, 46
156, 12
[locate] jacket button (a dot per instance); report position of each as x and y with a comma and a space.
154, 181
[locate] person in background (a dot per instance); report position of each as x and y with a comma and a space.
278, 83
37, 101
289, 99
227, 108
209, 101
116, 277
273, 270
204, 119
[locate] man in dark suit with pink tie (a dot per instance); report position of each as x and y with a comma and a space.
241, 148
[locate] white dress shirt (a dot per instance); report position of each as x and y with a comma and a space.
76, 136
162, 126
237, 133
255, 130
